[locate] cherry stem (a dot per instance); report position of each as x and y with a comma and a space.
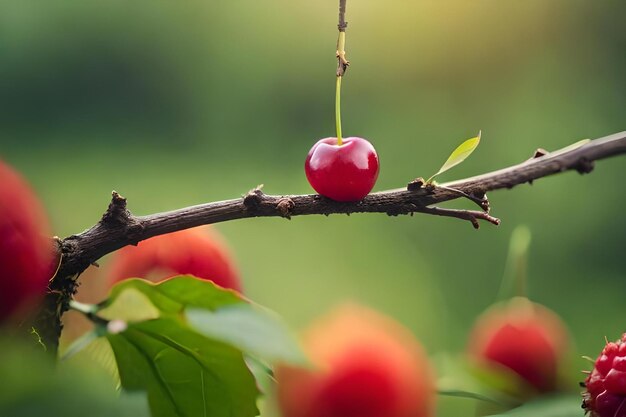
338, 110
342, 65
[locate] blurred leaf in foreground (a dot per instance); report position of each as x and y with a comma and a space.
34, 386
183, 340
557, 406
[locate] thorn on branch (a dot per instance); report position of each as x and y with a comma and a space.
539, 153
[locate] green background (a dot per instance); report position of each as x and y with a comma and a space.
176, 104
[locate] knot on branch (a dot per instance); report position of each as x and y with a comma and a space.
134, 232
253, 198
342, 63
482, 200
285, 206
584, 166
402, 210
416, 184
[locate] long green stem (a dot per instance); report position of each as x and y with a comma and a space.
342, 65
338, 110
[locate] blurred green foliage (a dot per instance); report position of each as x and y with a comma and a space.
49, 389
175, 104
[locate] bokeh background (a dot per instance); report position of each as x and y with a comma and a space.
175, 104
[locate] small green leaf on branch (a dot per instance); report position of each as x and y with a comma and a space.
459, 155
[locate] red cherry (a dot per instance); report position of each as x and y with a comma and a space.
199, 252
27, 259
345, 172
525, 337
364, 364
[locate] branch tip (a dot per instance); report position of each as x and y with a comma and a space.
117, 199
472, 216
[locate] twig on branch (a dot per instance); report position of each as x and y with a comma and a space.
470, 215
118, 227
342, 16
342, 61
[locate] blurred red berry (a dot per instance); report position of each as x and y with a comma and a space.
199, 252
605, 394
364, 365
26, 249
523, 337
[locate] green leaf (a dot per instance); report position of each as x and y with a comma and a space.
137, 299
183, 341
33, 385
256, 331
554, 406
458, 155
185, 373
97, 354
81, 343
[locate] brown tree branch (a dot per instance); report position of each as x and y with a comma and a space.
118, 227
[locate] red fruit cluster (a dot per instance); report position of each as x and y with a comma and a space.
26, 250
523, 337
364, 365
198, 252
345, 172
605, 394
